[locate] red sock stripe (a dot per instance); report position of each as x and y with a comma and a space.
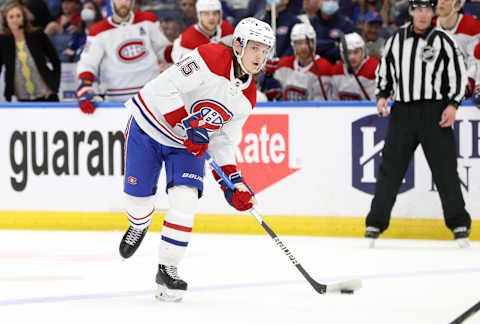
141, 217
177, 227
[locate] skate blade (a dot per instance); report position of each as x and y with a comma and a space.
463, 243
371, 243
169, 295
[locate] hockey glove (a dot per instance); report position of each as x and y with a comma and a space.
476, 97
197, 136
242, 198
470, 88
271, 65
85, 95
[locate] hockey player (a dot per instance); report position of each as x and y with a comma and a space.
359, 83
122, 52
301, 77
466, 32
211, 28
198, 104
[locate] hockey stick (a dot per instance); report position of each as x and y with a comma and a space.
273, 18
324, 93
469, 312
349, 65
347, 287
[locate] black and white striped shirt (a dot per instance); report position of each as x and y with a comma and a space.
417, 67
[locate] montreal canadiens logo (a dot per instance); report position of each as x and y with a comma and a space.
214, 114
132, 50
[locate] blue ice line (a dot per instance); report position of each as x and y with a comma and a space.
55, 299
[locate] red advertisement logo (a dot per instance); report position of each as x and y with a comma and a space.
263, 155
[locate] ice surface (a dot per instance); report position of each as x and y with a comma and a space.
79, 277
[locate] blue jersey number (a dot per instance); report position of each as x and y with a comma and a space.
189, 67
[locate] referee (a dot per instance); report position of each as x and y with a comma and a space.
423, 70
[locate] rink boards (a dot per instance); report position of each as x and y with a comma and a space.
312, 165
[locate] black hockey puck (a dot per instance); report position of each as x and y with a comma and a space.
346, 291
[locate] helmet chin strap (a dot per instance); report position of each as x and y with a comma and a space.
239, 57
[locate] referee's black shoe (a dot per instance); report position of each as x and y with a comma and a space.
131, 241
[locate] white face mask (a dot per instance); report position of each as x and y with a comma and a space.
88, 14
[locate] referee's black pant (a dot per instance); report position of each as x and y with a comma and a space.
411, 124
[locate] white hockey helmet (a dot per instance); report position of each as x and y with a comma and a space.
256, 30
302, 31
208, 5
354, 41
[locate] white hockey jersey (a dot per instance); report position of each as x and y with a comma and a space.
201, 83
466, 34
344, 85
193, 37
301, 83
124, 57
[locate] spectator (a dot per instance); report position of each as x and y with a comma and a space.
310, 7
90, 14
172, 27
256, 8
285, 21
472, 7
122, 51
364, 6
24, 50
372, 28
37, 12
69, 20
188, 12
302, 77
211, 28
465, 29
329, 25
357, 83
398, 12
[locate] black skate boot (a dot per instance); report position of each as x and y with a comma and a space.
170, 287
372, 233
131, 241
461, 235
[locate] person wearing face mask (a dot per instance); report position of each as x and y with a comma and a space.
211, 28
90, 14
329, 25
466, 32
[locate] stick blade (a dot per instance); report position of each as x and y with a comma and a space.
349, 285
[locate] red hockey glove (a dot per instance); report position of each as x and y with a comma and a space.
197, 136
85, 95
271, 65
242, 197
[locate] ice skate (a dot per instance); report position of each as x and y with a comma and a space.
461, 235
371, 234
131, 241
170, 287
